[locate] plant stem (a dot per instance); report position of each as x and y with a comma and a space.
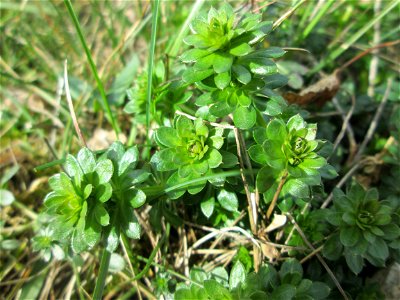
276, 196
100, 85
156, 6
101, 279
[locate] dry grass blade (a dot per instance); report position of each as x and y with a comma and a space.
71, 106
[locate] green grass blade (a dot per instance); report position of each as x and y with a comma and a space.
201, 179
316, 19
173, 49
100, 85
156, 6
101, 277
346, 45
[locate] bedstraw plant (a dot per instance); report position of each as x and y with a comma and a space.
235, 156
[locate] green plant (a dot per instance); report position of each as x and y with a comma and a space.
189, 147
222, 134
367, 227
228, 67
267, 283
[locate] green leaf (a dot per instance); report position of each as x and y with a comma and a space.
207, 206
78, 243
275, 81
173, 180
61, 183
168, 137
229, 160
101, 214
228, 200
276, 130
221, 109
193, 55
243, 99
131, 225
222, 62
216, 291
73, 169
244, 117
263, 67
297, 188
214, 158
136, 198
128, 160
6, 197
319, 290
271, 52
112, 241
259, 135
379, 249
117, 263
204, 99
291, 272
241, 73
256, 153
163, 160
133, 177
354, 261
191, 76
103, 192
265, 179
240, 50
86, 160
349, 235
92, 230
237, 276
215, 142
87, 191
296, 123
222, 80
104, 170
333, 248
284, 292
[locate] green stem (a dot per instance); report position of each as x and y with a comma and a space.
100, 86
156, 6
151, 258
101, 279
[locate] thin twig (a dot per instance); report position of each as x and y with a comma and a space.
341, 183
346, 120
71, 106
130, 266
225, 126
287, 14
375, 121
312, 254
322, 261
276, 195
251, 197
357, 57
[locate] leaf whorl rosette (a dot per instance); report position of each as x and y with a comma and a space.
94, 198
77, 201
366, 227
290, 147
227, 65
189, 147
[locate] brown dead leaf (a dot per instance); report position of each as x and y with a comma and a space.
319, 93
277, 222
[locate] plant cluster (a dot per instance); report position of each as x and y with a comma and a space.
241, 140
267, 283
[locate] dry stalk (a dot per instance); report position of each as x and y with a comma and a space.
322, 261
